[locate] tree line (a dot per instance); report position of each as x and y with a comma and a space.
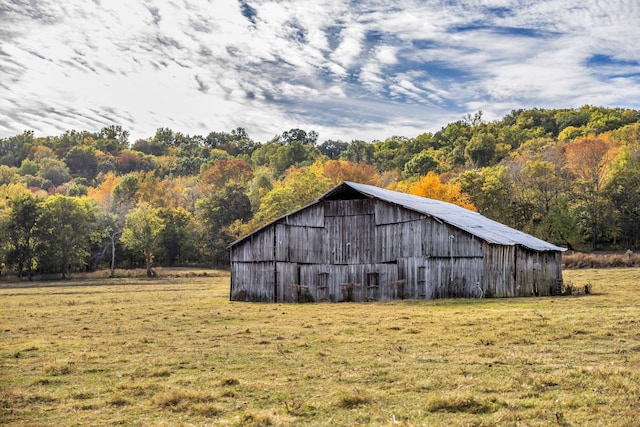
85, 200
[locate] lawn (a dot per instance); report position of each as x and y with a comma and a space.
175, 351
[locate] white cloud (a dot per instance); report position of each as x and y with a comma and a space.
362, 70
350, 47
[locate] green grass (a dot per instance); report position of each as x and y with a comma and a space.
175, 351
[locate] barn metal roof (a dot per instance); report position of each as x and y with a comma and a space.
469, 221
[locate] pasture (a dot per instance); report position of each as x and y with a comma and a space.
174, 351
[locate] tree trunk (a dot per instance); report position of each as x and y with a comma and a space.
149, 263
112, 268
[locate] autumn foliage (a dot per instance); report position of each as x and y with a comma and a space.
432, 187
224, 171
568, 176
343, 170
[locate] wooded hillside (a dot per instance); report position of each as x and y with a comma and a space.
86, 199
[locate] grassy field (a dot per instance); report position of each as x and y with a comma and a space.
175, 351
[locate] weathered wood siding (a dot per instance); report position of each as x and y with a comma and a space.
312, 216
355, 282
287, 274
257, 247
299, 244
253, 281
453, 277
514, 271
368, 249
349, 232
499, 270
537, 273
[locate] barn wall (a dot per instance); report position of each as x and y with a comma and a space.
256, 247
252, 281
499, 278
403, 240
411, 270
414, 235
514, 271
355, 282
443, 240
287, 277
453, 277
349, 239
537, 273
299, 244
366, 249
312, 216
386, 213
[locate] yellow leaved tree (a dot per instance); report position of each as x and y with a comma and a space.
432, 187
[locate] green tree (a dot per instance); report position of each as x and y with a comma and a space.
125, 192
481, 149
571, 118
300, 187
394, 153
490, 190
539, 199
82, 162
166, 136
603, 119
78, 187
560, 224
28, 167
54, 170
623, 190
333, 149
142, 231
216, 213
179, 237
280, 157
8, 174
541, 122
358, 151
112, 139
110, 225
298, 135
61, 144
151, 146
14, 149
21, 237
235, 143
420, 164
452, 140
65, 230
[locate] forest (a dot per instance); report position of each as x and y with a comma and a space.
86, 200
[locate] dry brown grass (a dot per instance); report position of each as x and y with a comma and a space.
175, 351
11, 279
577, 260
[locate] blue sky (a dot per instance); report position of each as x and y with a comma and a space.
346, 69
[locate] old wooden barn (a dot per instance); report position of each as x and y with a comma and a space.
363, 243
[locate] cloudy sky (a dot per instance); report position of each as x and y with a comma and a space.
344, 68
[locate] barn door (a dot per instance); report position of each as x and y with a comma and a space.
287, 282
322, 286
373, 286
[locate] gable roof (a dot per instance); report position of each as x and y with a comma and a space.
464, 219
472, 222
